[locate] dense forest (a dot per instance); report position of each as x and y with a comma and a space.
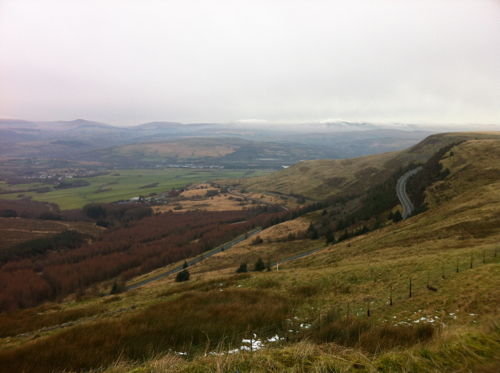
137, 247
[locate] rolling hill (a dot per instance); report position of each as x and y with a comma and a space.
419, 295
319, 179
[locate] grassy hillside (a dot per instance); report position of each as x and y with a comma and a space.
319, 179
121, 184
227, 151
180, 149
312, 314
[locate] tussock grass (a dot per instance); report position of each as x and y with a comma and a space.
17, 322
357, 273
455, 352
208, 285
267, 283
180, 324
305, 291
367, 336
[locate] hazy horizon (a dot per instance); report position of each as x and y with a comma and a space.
275, 63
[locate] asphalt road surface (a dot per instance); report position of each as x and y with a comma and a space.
401, 191
297, 256
194, 261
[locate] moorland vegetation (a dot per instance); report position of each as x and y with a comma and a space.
383, 295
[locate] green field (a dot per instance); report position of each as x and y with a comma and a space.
127, 185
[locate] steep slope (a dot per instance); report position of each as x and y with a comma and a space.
319, 179
320, 301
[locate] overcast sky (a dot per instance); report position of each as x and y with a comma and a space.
129, 62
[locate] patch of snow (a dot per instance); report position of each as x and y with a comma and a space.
276, 338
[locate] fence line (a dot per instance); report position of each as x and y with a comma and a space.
355, 308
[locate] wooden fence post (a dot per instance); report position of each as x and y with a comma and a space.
410, 287
471, 260
457, 265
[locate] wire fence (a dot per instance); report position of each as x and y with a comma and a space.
295, 329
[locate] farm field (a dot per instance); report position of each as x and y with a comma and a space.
124, 184
319, 179
416, 295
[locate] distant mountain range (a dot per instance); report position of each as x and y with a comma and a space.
286, 144
85, 140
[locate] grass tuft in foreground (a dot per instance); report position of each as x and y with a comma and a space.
181, 324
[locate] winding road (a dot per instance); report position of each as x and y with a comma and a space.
196, 260
297, 256
213, 252
401, 192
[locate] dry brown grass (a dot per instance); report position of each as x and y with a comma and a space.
465, 219
178, 324
319, 179
269, 198
196, 192
247, 252
194, 199
217, 203
15, 230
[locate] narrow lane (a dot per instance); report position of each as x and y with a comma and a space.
401, 192
196, 260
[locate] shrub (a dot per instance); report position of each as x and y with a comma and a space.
115, 289
259, 265
397, 217
182, 276
8, 213
330, 237
242, 268
268, 266
312, 232
96, 212
50, 216
257, 240
211, 193
102, 223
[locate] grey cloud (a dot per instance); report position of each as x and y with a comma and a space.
127, 62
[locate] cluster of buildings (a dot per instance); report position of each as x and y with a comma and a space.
188, 165
160, 199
